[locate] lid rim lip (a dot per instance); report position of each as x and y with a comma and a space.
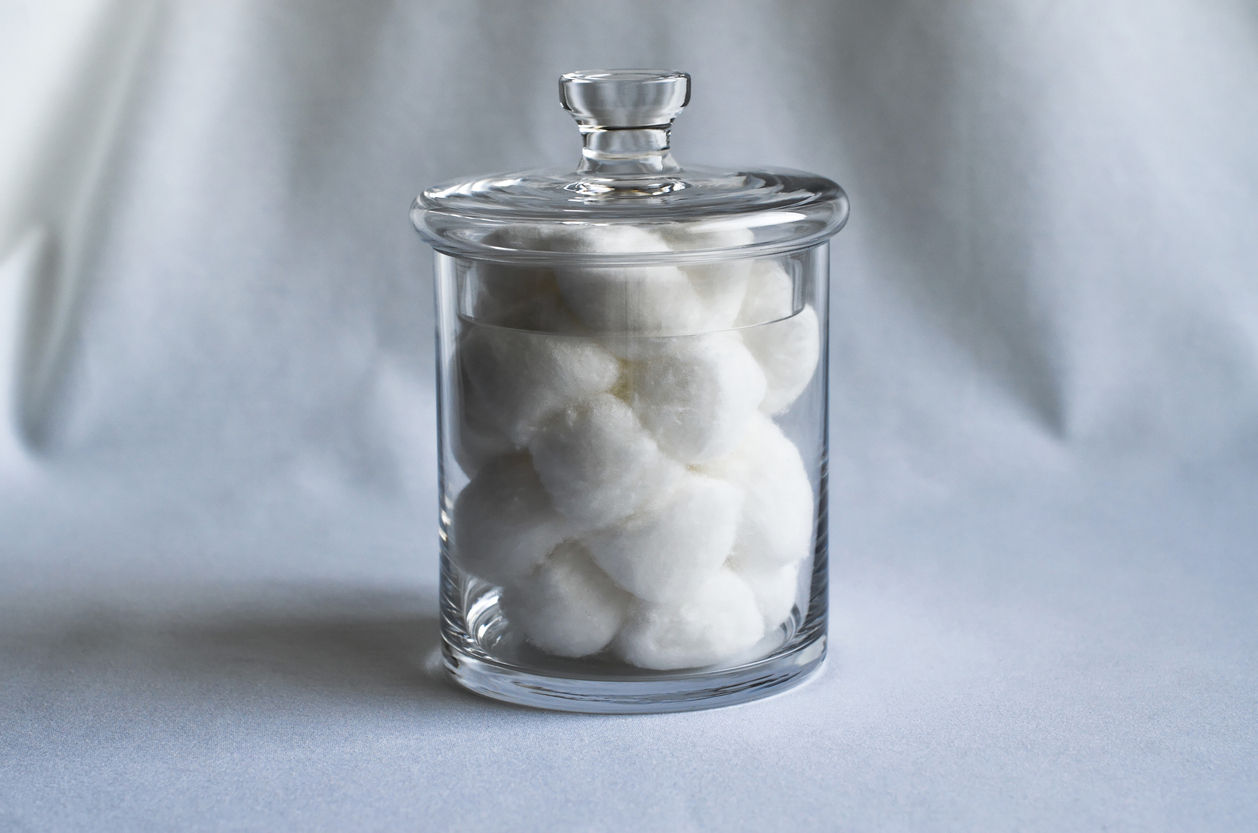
620, 214
626, 205
443, 220
523, 257
558, 171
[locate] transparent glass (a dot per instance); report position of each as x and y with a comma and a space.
632, 522
633, 411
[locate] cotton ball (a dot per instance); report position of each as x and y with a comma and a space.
697, 398
722, 284
607, 239
567, 607
633, 309
665, 553
544, 313
504, 523
770, 294
529, 237
521, 378
504, 287
599, 464
776, 526
788, 352
626, 299
775, 591
476, 440
719, 621
636, 348
685, 237
787, 349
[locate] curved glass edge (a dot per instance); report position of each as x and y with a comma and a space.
773, 675
785, 209
776, 232
556, 194
792, 663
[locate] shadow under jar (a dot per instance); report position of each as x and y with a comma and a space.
632, 417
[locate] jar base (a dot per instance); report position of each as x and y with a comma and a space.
606, 687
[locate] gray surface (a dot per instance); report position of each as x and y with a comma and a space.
217, 568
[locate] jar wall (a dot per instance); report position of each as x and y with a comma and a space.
633, 479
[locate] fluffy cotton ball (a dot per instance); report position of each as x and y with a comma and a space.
723, 284
476, 439
636, 348
697, 398
717, 622
787, 349
599, 464
610, 238
776, 527
521, 237
504, 523
501, 288
665, 553
567, 607
541, 314
645, 300
775, 591
521, 378
686, 237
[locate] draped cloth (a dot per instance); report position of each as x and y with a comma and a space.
218, 504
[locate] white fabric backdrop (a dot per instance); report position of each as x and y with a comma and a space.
217, 472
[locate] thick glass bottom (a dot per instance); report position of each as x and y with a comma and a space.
485, 656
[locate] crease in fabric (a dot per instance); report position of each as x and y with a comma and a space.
48, 216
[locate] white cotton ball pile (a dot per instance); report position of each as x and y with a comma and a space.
567, 606
540, 314
716, 622
522, 378
789, 347
666, 552
501, 288
475, 438
775, 527
721, 285
775, 591
697, 399
599, 464
500, 291
647, 300
629, 492
769, 296
504, 524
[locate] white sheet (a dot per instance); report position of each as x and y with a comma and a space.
217, 471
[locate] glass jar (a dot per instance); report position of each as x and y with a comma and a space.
632, 417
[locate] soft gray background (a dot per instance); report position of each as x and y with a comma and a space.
217, 473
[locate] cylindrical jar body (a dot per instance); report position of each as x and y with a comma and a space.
633, 475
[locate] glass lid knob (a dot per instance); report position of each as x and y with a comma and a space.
625, 116
621, 98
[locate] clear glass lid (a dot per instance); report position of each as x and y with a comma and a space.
627, 176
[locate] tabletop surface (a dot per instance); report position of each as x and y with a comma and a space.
1003, 657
